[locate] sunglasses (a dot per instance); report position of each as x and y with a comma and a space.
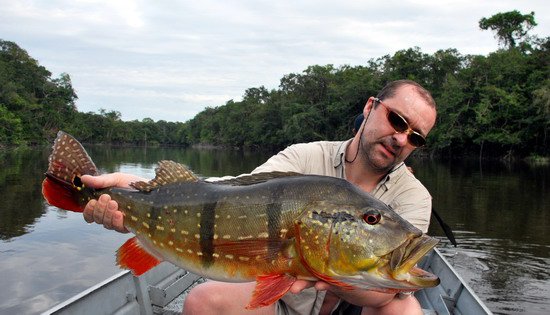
400, 125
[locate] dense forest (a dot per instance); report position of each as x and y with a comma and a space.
495, 105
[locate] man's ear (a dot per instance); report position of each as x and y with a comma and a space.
368, 106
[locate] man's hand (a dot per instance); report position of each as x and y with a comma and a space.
105, 210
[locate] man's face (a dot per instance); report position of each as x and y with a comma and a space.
382, 147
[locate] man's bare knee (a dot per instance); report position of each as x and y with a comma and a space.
214, 297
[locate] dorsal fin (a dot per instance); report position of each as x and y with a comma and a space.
167, 172
255, 178
69, 159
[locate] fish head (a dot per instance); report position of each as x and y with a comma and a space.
369, 247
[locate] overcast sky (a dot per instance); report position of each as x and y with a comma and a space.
170, 59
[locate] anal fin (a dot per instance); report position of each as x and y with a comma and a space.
131, 255
269, 289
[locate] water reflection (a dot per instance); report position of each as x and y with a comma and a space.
508, 201
206, 162
21, 203
500, 212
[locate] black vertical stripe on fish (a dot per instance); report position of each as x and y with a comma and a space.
207, 232
155, 213
274, 221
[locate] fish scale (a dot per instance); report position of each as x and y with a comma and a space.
274, 227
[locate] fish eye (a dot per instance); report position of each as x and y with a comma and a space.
372, 217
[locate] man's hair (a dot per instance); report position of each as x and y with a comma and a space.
391, 88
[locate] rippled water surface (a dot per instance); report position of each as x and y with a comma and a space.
500, 214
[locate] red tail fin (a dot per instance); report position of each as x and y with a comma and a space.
67, 163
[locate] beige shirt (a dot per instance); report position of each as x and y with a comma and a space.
399, 188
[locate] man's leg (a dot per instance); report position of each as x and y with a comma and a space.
213, 297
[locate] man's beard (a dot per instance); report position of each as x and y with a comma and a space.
372, 156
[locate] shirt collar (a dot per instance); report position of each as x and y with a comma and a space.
391, 178
340, 156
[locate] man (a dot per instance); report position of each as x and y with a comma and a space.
396, 122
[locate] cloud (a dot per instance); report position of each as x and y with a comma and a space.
168, 60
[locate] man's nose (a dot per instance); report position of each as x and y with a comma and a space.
401, 138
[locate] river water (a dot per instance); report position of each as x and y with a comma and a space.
500, 214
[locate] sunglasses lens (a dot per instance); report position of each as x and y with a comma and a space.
397, 122
400, 125
416, 140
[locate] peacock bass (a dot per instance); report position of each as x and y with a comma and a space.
273, 228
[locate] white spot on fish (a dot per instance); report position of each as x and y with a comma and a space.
134, 218
242, 258
146, 225
263, 235
242, 217
247, 237
160, 228
148, 215
170, 243
190, 251
229, 256
197, 236
184, 232
226, 236
173, 230
215, 255
179, 249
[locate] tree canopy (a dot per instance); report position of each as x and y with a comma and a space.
497, 104
510, 27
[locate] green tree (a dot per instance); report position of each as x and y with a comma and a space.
11, 130
510, 27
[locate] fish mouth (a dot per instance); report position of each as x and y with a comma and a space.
403, 262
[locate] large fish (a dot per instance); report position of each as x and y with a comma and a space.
270, 227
